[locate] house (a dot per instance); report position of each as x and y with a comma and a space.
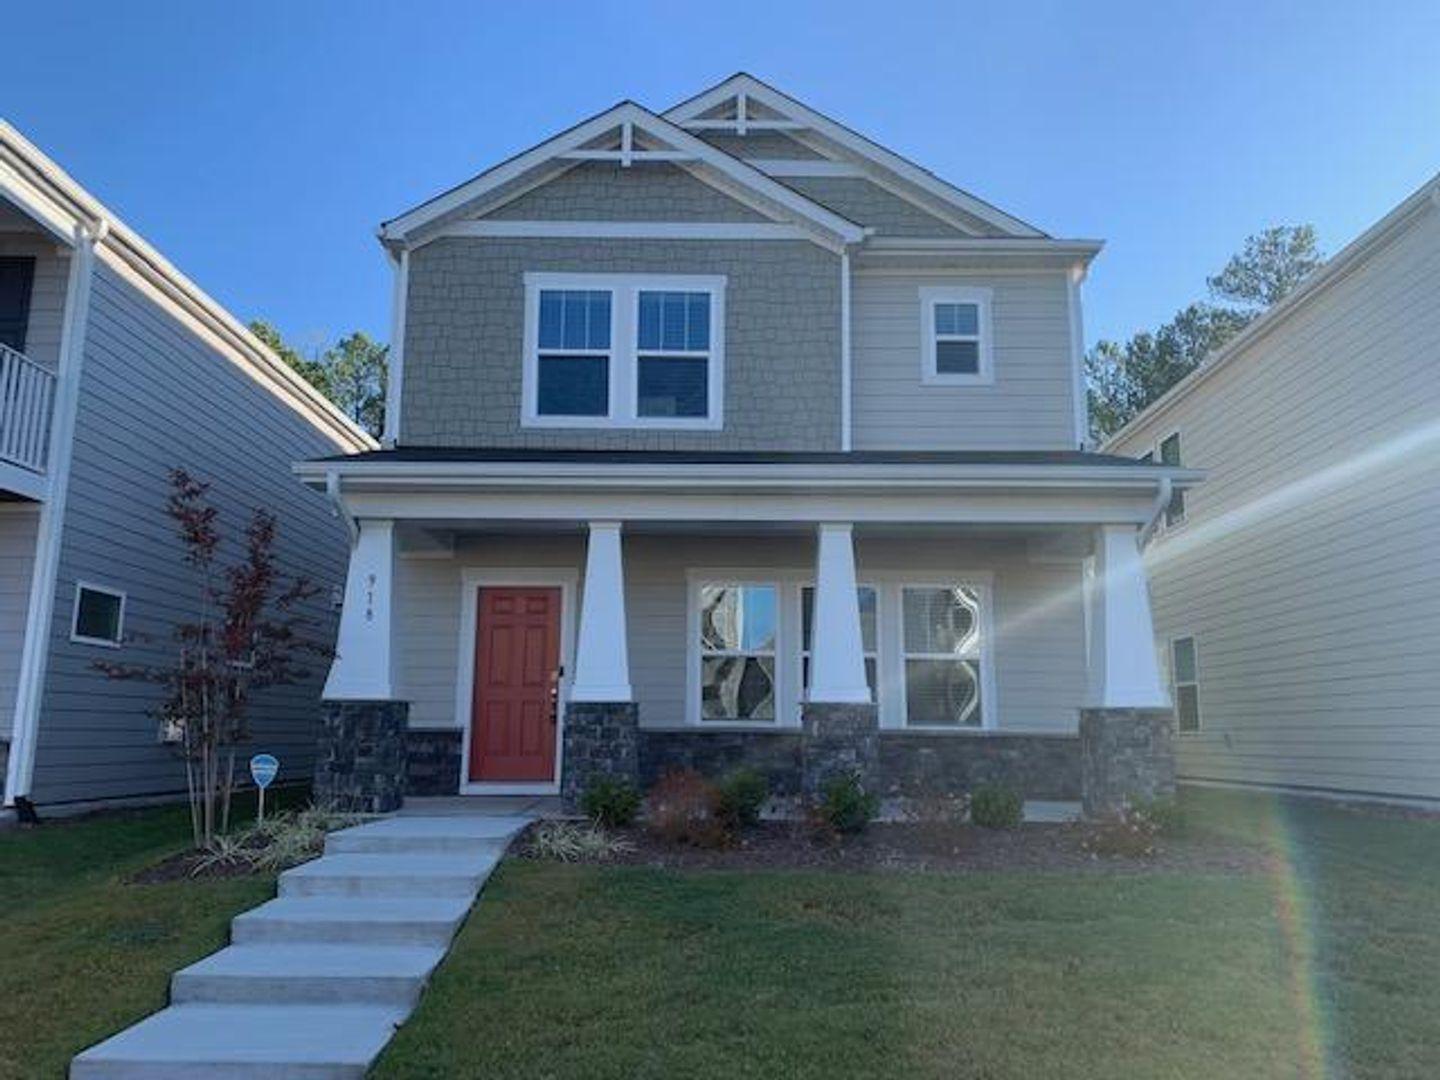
725, 436
1296, 591
114, 369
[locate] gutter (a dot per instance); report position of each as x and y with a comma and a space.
340, 507
1164, 490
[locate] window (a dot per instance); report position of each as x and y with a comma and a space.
1185, 682
615, 350
1169, 454
738, 629
17, 276
99, 615
941, 642
955, 336
869, 634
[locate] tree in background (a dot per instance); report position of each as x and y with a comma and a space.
1124, 378
353, 373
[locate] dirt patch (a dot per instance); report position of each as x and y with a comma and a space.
926, 848
191, 866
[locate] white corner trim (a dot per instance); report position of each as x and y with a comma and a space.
35, 654
1077, 358
623, 230
847, 375
982, 298
400, 298
82, 639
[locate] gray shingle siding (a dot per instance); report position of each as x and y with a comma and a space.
869, 204
759, 144
154, 396
604, 191
465, 333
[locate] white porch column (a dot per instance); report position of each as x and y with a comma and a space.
602, 656
837, 652
363, 666
1125, 673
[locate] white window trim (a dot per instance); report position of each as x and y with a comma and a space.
82, 639
981, 297
1164, 524
1175, 683
986, 647
624, 369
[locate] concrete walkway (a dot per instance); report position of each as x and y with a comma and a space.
315, 982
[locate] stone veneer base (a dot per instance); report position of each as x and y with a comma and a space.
1125, 754
838, 740
432, 761
360, 764
601, 739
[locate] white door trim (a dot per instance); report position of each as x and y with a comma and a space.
472, 579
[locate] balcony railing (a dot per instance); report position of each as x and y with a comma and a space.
27, 394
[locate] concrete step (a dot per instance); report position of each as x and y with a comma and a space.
422, 835
335, 920
244, 1042
390, 875
389, 975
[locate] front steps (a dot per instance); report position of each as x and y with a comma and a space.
316, 981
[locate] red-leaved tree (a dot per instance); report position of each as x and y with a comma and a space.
248, 635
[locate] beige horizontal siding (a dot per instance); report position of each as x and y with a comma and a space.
17, 555
1306, 569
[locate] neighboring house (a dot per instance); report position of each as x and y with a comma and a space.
1296, 593
114, 369
728, 436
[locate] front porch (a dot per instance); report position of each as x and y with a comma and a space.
917, 642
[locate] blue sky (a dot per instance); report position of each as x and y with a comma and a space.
259, 144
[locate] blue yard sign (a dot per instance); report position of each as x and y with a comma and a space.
263, 768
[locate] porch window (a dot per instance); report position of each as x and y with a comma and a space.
738, 626
1169, 454
941, 641
955, 336
869, 635
1185, 682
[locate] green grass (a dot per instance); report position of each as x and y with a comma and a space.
84, 953
1322, 966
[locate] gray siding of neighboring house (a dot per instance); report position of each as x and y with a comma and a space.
605, 191
1306, 569
465, 336
47, 294
888, 214
1030, 405
1040, 673
154, 396
18, 522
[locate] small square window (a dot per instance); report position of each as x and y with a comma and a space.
99, 615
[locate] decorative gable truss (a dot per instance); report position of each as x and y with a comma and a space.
630, 137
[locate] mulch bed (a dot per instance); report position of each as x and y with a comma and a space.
183, 867
927, 848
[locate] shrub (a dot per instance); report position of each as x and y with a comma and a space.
683, 808
742, 795
845, 806
610, 801
570, 841
995, 806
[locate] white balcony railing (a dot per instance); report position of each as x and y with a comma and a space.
27, 393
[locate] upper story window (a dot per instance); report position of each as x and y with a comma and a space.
615, 350
1168, 453
956, 336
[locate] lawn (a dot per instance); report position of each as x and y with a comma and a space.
1322, 965
85, 953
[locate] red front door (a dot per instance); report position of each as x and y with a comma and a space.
517, 666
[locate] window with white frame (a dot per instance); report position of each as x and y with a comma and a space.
98, 617
1185, 683
738, 631
955, 336
941, 652
615, 350
869, 634
1168, 453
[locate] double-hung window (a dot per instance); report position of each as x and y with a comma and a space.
941, 652
956, 336
1169, 454
617, 350
1185, 682
739, 626
869, 634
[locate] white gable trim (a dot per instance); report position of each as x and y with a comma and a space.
623, 230
634, 118
798, 117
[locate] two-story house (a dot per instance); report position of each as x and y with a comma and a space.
727, 436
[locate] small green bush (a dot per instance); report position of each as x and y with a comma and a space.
845, 806
740, 798
611, 802
995, 806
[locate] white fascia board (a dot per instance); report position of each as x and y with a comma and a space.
688, 111
704, 156
1349, 258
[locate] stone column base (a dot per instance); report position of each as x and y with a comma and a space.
1125, 755
432, 761
839, 739
360, 765
602, 738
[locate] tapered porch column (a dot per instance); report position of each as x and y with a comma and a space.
837, 653
602, 657
1125, 673
363, 669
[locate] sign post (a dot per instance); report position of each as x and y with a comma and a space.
263, 768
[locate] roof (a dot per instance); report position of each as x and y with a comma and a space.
510, 455
38, 185
1425, 200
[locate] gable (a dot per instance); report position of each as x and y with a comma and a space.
761, 144
606, 191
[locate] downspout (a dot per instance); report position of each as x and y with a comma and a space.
337, 502
1163, 493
